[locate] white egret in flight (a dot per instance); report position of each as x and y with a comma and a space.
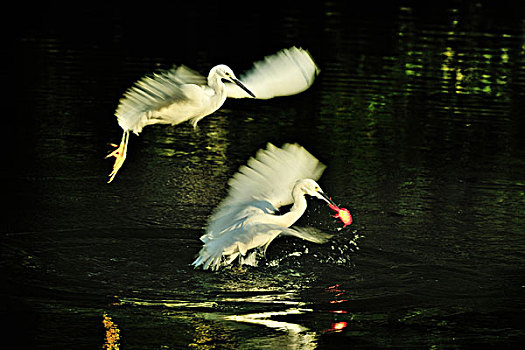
180, 94
245, 222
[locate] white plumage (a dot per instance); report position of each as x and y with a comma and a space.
245, 222
149, 100
181, 94
286, 73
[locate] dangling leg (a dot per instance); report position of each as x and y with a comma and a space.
119, 154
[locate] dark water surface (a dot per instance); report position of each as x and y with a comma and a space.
418, 113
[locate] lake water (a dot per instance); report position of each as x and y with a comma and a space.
418, 112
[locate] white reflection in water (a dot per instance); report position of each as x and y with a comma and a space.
286, 298
289, 335
298, 336
167, 303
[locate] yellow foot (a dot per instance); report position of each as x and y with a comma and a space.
119, 154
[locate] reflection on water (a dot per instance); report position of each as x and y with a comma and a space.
111, 340
217, 316
338, 327
264, 318
418, 113
465, 62
297, 336
267, 298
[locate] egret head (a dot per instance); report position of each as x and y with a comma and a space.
312, 188
222, 71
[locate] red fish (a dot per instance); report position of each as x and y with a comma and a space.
342, 214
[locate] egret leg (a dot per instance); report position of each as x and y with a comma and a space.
119, 154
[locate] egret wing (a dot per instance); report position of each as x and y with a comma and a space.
272, 174
154, 92
288, 72
234, 216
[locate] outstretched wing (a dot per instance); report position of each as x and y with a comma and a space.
264, 185
272, 174
288, 72
152, 93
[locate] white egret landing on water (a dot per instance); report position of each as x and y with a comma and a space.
180, 94
245, 222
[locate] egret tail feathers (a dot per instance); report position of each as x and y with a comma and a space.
308, 234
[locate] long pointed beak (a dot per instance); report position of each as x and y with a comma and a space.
326, 198
241, 85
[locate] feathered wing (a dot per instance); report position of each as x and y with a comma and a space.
152, 93
272, 174
288, 72
266, 183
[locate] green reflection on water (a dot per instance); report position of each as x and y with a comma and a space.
425, 134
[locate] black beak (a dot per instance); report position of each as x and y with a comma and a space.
328, 199
241, 85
